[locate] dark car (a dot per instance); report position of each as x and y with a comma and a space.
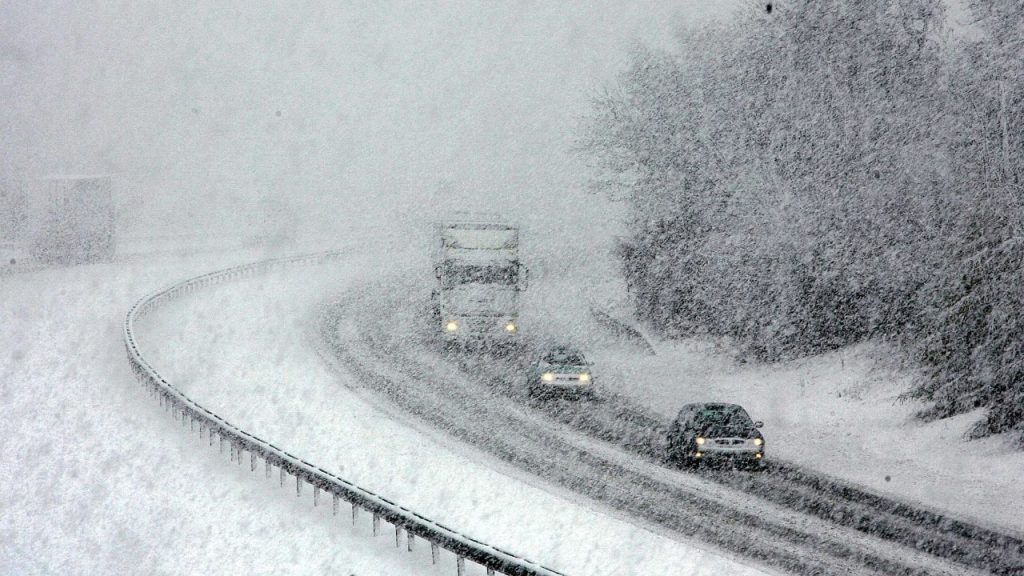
715, 431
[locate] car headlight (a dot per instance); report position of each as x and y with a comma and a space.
547, 377
758, 441
451, 326
510, 327
700, 441
584, 377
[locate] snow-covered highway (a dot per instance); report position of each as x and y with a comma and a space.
242, 350
788, 518
528, 480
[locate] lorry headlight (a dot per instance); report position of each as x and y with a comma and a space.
510, 327
451, 326
584, 377
700, 441
758, 441
547, 377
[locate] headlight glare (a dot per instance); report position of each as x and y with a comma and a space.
510, 327
758, 441
451, 326
584, 377
700, 441
547, 377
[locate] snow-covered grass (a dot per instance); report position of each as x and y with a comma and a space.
97, 479
837, 413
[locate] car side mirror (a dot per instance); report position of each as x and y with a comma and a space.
758, 424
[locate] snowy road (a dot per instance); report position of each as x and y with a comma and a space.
99, 480
242, 350
788, 518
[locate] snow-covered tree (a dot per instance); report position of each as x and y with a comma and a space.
968, 334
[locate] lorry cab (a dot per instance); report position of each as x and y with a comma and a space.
479, 275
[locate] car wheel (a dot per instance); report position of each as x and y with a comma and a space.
531, 388
672, 457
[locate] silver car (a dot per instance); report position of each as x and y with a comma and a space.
560, 370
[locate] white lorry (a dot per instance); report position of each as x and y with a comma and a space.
479, 281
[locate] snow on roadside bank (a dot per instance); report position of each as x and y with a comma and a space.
241, 350
97, 479
836, 413
839, 413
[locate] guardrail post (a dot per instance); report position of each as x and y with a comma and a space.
221, 435
376, 524
298, 485
335, 504
210, 432
410, 538
238, 454
316, 495
460, 566
283, 474
252, 461
355, 510
231, 452
398, 535
433, 553
267, 461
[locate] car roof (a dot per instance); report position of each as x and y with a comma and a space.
710, 407
561, 349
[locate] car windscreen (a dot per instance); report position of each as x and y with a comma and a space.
455, 274
565, 358
731, 419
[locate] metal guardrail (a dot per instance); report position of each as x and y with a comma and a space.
183, 408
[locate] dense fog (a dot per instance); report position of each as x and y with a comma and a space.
310, 117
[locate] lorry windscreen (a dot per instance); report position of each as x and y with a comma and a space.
455, 274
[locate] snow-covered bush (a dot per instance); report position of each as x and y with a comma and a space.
826, 173
969, 333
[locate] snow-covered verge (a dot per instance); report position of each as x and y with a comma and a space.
837, 413
242, 350
97, 479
